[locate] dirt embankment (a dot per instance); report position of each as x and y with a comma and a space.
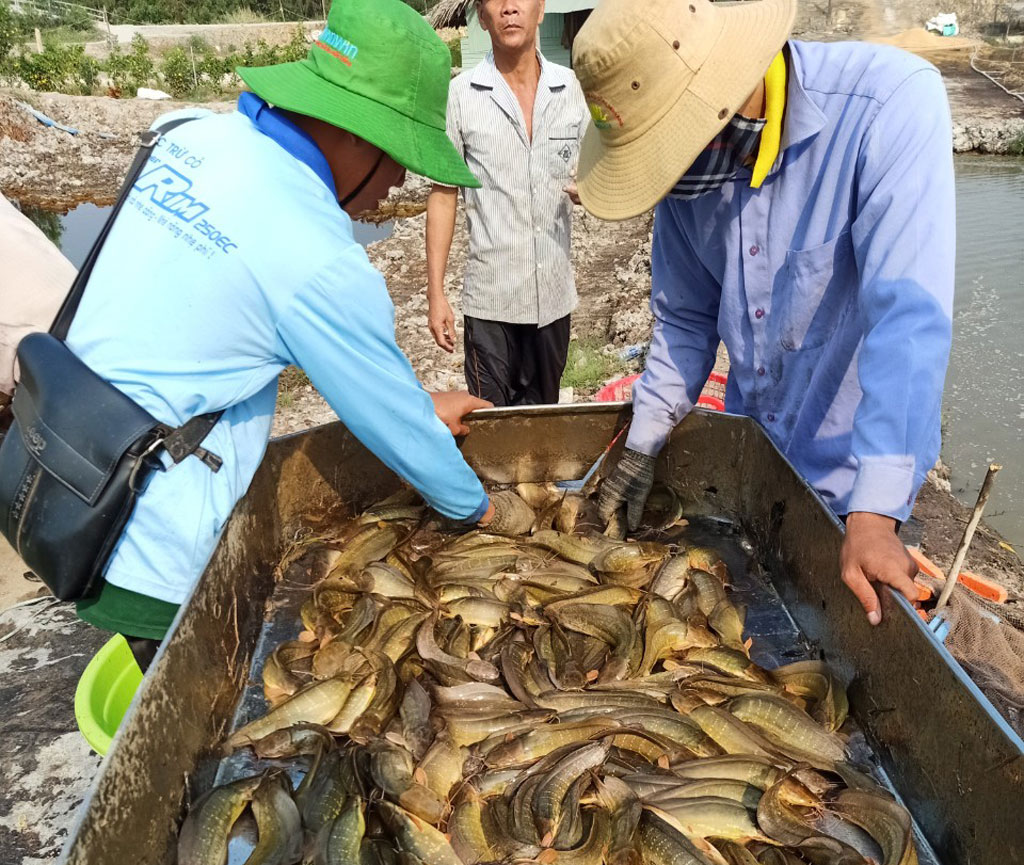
50, 168
613, 279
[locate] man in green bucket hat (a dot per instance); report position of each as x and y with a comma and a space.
232, 259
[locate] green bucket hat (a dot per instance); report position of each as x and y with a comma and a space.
380, 71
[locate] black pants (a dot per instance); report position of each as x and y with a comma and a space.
515, 364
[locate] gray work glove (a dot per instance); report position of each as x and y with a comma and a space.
629, 484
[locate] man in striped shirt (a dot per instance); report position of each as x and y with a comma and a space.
517, 120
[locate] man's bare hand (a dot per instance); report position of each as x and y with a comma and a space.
453, 406
873, 553
571, 190
441, 323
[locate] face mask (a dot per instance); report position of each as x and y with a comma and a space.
719, 162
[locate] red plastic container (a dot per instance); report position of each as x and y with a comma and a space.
712, 397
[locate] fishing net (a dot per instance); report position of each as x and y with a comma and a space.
988, 641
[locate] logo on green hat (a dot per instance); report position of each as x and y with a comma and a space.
337, 46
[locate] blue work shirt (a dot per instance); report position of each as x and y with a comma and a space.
831, 285
231, 260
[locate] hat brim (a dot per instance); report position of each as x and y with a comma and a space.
623, 181
422, 149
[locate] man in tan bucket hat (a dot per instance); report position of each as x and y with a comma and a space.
804, 217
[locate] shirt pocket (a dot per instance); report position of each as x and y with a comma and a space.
820, 281
563, 146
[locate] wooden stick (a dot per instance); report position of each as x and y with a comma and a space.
965, 542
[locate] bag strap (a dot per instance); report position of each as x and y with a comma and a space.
182, 441
62, 323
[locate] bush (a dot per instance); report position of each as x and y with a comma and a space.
177, 73
297, 47
455, 46
9, 31
258, 54
244, 15
62, 68
77, 19
128, 72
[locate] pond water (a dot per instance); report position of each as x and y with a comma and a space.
983, 410
75, 231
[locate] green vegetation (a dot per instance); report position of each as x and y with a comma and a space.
588, 367
455, 46
245, 15
195, 71
64, 68
214, 11
1016, 147
130, 71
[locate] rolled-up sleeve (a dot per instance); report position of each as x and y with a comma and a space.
685, 300
340, 329
904, 239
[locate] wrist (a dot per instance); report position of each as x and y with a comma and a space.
485, 520
867, 519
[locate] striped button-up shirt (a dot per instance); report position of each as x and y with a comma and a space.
520, 220
831, 285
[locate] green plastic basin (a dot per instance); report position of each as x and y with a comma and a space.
105, 691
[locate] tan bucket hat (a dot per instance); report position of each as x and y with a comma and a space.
662, 78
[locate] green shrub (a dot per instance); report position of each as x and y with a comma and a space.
178, 76
296, 48
455, 46
77, 18
258, 54
128, 72
61, 68
9, 31
244, 15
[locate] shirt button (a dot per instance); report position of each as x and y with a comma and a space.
754, 250
759, 313
538, 229
760, 370
770, 417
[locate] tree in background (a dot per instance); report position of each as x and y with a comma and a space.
9, 32
211, 11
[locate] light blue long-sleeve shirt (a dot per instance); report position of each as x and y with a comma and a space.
230, 261
831, 285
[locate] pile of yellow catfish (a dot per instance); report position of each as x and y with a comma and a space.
557, 696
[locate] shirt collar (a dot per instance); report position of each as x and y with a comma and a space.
803, 118
273, 123
486, 74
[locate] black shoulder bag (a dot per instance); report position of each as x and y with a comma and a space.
79, 451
